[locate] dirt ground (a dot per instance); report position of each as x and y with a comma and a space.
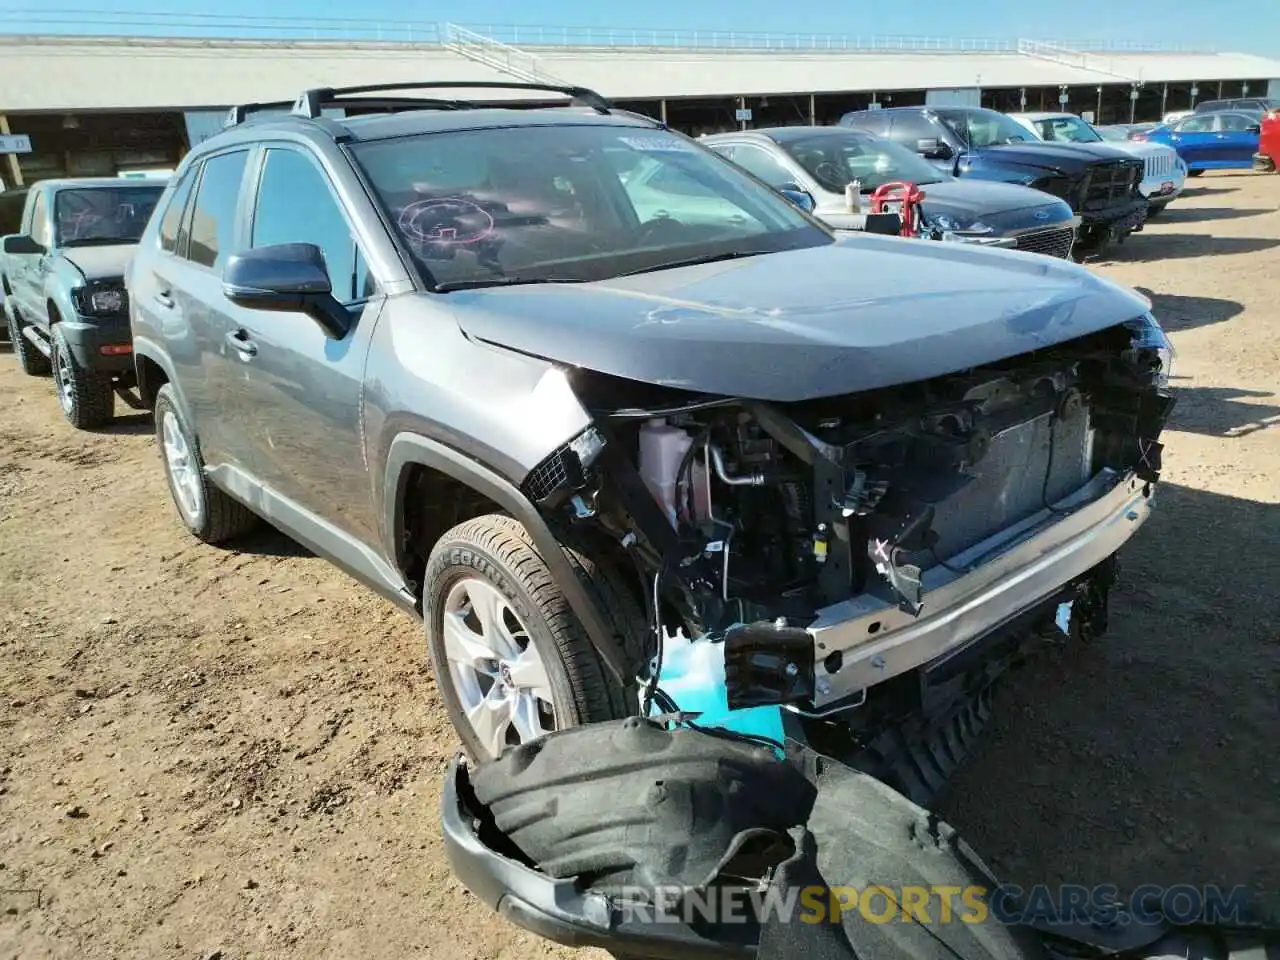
222, 754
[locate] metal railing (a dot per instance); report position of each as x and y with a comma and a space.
211, 26
100, 21
493, 53
567, 37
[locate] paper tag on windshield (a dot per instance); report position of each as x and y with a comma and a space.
658, 144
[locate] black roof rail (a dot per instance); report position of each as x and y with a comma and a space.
312, 102
239, 113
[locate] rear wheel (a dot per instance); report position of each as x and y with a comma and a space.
511, 660
31, 360
205, 511
86, 396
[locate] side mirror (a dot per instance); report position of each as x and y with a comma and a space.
933, 149
798, 196
286, 277
21, 244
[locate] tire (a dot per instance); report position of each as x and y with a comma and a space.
492, 559
87, 397
1156, 209
207, 512
32, 361
1195, 173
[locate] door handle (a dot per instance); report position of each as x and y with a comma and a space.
163, 298
239, 339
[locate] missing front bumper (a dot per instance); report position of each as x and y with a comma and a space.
1007, 573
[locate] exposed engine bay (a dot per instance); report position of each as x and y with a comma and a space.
747, 520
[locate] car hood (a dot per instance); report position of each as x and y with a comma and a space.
100, 263
1004, 206
1142, 148
861, 313
1069, 158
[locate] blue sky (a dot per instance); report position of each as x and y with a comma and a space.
1238, 25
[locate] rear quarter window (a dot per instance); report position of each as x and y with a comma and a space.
171, 223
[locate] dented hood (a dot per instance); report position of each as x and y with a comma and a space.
862, 313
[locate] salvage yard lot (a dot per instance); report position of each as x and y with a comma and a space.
237, 753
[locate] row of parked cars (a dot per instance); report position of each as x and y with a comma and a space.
1048, 183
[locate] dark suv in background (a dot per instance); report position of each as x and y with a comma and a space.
1100, 182
63, 275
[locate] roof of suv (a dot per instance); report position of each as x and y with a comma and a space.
381, 126
93, 183
397, 115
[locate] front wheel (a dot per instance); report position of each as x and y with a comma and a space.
511, 660
1156, 209
86, 396
1195, 173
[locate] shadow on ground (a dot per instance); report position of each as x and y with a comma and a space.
1147, 247
1187, 677
1223, 411
1182, 215
1187, 313
1206, 191
131, 424
267, 541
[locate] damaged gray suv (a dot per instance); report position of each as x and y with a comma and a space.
670, 447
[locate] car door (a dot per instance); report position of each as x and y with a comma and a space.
184, 294
28, 269
1193, 138
917, 132
771, 167
1236, 140
302, 388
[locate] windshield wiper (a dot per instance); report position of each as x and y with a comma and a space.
450, 285
695, 261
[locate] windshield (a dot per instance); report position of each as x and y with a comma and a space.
571, 203
1113, 133
103, 214
835, 160
985, 128
1069, 129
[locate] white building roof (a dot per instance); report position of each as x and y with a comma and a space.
100, 73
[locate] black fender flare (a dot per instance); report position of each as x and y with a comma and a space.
410, 449
147, 349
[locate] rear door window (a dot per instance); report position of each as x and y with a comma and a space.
1195, 125
213, 219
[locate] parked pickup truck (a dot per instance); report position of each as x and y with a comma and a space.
65, 300
1164, 175
1099, 181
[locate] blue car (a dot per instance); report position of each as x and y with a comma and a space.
1224, 140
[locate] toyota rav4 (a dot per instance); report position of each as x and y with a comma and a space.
705, 458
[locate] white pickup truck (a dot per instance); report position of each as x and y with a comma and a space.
1165, 174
